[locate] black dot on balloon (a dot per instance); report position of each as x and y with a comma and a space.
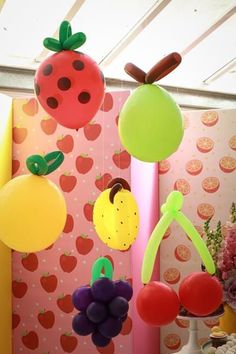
109, 238
122, 222
37, 89
135, 213
121, 201
52, 102
64, 83
84, 97
78, 65
47, 70
124, 244
102, 216
117, 209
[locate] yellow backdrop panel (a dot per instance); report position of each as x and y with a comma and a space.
5, 252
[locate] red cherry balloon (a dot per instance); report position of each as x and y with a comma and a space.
157, 304
200, 293
69, 85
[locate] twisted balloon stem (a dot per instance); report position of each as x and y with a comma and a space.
100, 264
43, 165
172, 211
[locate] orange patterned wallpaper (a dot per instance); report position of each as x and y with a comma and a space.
204, 170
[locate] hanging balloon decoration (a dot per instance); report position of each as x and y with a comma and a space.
157, 303
200, 283
150, 121
116, 215
103, 306
69, 84
32, 208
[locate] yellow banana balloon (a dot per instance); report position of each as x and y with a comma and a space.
116, 217
32, 208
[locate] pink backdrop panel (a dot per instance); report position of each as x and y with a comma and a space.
43, 282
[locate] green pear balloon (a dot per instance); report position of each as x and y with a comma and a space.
150, 122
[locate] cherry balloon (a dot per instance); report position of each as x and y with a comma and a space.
200, 293
157, 304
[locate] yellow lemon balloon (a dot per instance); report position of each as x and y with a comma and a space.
116, 217
32, 208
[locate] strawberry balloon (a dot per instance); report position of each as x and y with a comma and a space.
69, 84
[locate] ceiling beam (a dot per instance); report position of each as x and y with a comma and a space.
134, 32
69, 16
210, 30
17, 82
221, 71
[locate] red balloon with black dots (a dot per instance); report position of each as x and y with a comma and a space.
69, 84
200, 293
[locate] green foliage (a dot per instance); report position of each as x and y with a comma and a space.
233, 213
214, 238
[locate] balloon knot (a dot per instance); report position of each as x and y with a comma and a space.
174, 203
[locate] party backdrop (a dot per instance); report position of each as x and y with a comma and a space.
203, 170
43, 282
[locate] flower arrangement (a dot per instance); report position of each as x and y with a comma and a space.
223, 251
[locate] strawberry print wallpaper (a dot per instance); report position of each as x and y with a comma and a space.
43, 282
203, 169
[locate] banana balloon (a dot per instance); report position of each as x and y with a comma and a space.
32, 208
116, 215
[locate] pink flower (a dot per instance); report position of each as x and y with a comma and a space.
229, 288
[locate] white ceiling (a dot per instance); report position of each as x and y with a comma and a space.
138, 31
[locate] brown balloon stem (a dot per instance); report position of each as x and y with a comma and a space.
135, 72
116, 185
157, 72
163, 68
115, 189
122, 181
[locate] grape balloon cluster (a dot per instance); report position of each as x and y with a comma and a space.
103, 307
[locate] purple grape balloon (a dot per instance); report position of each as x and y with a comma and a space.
118, 306
96, 312
82, 325
124, 289
103, 290
111, 327
82, 297
99, 340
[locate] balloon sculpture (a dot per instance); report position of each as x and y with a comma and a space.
103, 306
116, 215
69, 84
150, 121
32, 208
157, 303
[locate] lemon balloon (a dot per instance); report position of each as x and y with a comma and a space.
32, 208
116, 217
150, 121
